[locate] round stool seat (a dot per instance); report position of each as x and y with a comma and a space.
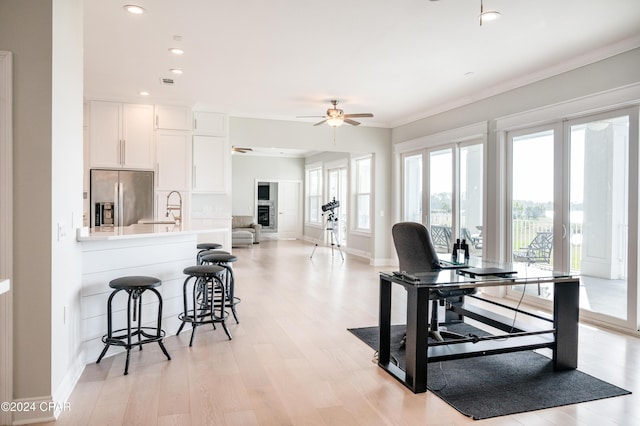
219, 257
204, 270
214, 251
134, 282
209, 246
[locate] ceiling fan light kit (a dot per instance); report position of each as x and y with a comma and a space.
335, 121
336, 117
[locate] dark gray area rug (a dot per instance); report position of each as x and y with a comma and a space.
499, 385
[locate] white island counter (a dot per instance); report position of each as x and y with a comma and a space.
158, 250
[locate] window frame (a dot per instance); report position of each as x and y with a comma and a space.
313, 194
356, 193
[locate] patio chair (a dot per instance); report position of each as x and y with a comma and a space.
538, 250
474, 240
441, 237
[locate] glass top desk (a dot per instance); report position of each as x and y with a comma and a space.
560, 333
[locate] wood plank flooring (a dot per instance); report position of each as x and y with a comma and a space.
293, 362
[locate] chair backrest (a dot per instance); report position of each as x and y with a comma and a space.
441, 237
541, 246
414, 247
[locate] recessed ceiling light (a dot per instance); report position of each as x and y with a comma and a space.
176, 70
176, 51
143, 93
134, 8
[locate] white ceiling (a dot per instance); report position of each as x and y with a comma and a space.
400, 60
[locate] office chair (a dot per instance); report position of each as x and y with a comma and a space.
417, 254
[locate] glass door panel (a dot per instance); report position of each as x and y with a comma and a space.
471, 197
337, 187
440, 199
532, 173
598, 230
412, 188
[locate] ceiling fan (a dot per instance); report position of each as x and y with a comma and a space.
240, 149
336, 117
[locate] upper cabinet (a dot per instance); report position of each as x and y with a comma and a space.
173, 154
209, 123
121, 135
211, 157
169, 117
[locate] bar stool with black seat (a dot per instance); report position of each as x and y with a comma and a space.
202, 309
134, 286
203, 247
225, 260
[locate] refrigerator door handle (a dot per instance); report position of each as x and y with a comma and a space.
121, 203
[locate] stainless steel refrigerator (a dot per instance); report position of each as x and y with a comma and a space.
121, 197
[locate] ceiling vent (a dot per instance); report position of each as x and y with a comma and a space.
166, 81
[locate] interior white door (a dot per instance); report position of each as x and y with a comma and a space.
289, 209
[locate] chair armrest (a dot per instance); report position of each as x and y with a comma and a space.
257, 228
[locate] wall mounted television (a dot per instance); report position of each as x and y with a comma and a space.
263, 192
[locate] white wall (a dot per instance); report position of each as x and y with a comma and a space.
248, 168
66, 195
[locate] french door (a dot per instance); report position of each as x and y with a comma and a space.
454, 198
573, 190
337, 189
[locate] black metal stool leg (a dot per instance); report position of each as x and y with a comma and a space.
159, 325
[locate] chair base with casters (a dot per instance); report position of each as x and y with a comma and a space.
435, 331
132, 336
199, 305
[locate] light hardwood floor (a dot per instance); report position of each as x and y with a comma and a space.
293, 362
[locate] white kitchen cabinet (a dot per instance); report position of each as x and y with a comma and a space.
171, 117
209, 123
211, 158
173, 157
121, 135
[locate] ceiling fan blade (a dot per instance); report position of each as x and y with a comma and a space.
320, 122
364, 114
352, 122
241, 150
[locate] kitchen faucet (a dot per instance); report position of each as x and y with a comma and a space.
173, 207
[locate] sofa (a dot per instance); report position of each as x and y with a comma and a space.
246, 224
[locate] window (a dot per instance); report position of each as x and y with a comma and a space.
443, 187
363, 194
570, 207
412, 188
314, 195
337, 189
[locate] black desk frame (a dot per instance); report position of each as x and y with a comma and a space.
562, 338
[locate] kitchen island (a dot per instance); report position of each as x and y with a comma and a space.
160, 250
